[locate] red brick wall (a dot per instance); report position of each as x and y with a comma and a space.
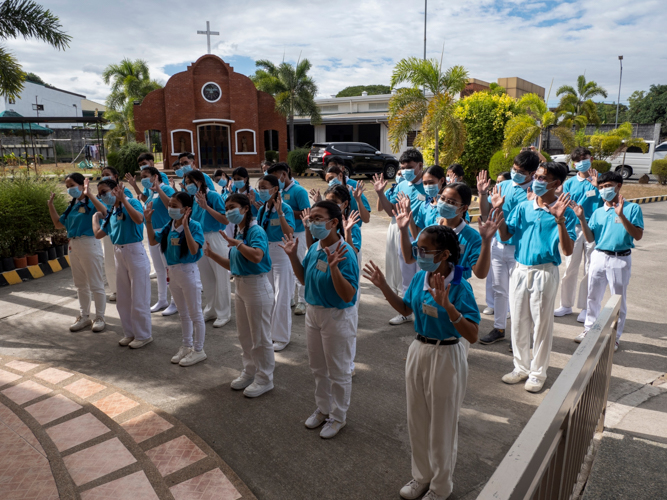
471, 88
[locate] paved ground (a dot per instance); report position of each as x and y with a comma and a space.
264, 440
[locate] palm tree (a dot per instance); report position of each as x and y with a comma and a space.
529, 125
130, 81
292, 88
412, 106
27, 18
567, 117
580, 98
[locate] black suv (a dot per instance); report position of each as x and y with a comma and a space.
359, 158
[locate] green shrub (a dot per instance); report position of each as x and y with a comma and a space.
271, 156
500, 163
125, 159
601, 166
659, 168
24, 214
298, 160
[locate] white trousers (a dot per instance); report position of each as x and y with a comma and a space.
109, 263
408, 271
354, 341
301, 251
281, 276
532, 298
489, 290
184, 285
160, 266
502, 266
615, 272
568, 284
391, 264
87, 263
329, 334
435, 382
215, 280
133, 299
254, 302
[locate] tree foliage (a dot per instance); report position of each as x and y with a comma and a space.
124, 159
649, 107
356, 90
607, 112
609, 145
502, 161
579, 100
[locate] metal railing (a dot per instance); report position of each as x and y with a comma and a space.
545, 460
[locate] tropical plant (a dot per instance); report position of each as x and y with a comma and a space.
530, 124
601, 166
31, 20
659, 168
649, 107
609, 145
125, 158
297, 159
130, 82
273, 156
501, 162
607, 112
432, 114
569, 118
496, 89
356, 90
579, 99
291, 87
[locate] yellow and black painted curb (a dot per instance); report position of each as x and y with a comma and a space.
34, 272
649, 199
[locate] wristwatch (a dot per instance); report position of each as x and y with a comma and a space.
560, 220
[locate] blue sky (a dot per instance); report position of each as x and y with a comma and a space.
358, 42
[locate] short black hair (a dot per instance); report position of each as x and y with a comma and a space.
505, 175
334, 159
556, 170
189, 156
527, 160
579, 153
153, 171
610, 176
457, 169
411, 154
196, 175
444, 238
144, 157
463, 190
176, 164
278, 167
268, 163
113, 171
436, 171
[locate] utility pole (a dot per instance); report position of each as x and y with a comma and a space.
618, 102
425, 6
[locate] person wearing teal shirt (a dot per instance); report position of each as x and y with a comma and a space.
249, 262
436, 369
583, 191
241, 185
124, 223
181, 242
187, 164
393, 246
85, 252
144, 160
512, 192
330, 274
277, 219
336, 176
614, 228
209, 211
541, 226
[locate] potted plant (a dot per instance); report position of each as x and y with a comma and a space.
42, 252
5, 255
60, 241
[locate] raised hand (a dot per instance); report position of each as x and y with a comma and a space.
359, 190
404, 200
148, 212
379, 184
593, 177
618, 206
230, 241
51, 198
118, 191
278, 203
441, 292
483, 182
156, 183
578, 209
200, 198
121, 189
558, 209
497, 201
305, 214
402, 215
315, 195
333, 258
86, 185
349, 223
186, 218
130, 178
290, 245
530, 194
251, 196
373, 274
488, 229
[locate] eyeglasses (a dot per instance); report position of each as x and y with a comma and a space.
422, 252
450, 201
184, 164
541, 178
309, 221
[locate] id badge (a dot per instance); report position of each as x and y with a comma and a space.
82, 210
617, 220
462, 248
322, 266
590, 194
175, 242
421, 197
275, 222
287, 196
120, 217
429, 310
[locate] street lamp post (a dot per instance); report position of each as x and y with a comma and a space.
618, 102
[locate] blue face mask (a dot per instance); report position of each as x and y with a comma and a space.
517, 177
222, 183
281, 184
239, 185
335, 182
179, 172
146, 182
106, 178
186, 169
141, 167
608, 193
234, 216
583, 165
319, 230
426, 263
399, 179
175, 213
266, 172
446, 210
191, 189
540, 188
408, 174
74, 192
108, 198
264, 194
431, 190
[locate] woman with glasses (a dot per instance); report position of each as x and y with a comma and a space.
436, 370
330, 274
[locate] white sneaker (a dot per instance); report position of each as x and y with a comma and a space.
219, 323
292, 302
254, 390
316, 419
508, 315
170, 310
99, 324
562, 311
192, 358
580, 337
400, 319
182, 352
617, 345
80, 323
158, 306
431, 495
210, 316
533, 385
242, 381
331, 428
112, 297
300, 309
489, 312
125, 341
514, 378
136, 344
153, 275
413, 490
582, 316
279, 346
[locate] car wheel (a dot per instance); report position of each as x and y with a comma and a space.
390, 171
348, 172
625, 172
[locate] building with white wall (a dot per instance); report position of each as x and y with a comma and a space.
39, 100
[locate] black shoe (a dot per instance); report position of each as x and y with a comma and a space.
494, 336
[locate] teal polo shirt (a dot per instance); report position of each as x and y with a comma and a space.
256, 238
176, 239
160, 216
610, 233
121, 228
470, 246
583, 193
514, 194
206, 220
271, 222
414, 191
297, 198
79, 220
319, 285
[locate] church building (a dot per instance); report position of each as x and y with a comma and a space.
213, 112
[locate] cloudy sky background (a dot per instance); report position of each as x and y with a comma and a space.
355, 42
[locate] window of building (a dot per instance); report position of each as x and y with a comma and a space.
271, 140
378, 106
329, 109
245, 142
181, 142
411, 138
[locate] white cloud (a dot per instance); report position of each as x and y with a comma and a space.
490, 38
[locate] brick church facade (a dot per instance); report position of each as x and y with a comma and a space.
213, 112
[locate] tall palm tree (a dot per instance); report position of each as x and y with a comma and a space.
413, 106
31, 20
130, 81
567, 117
530, 124
581, 98
292, 88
